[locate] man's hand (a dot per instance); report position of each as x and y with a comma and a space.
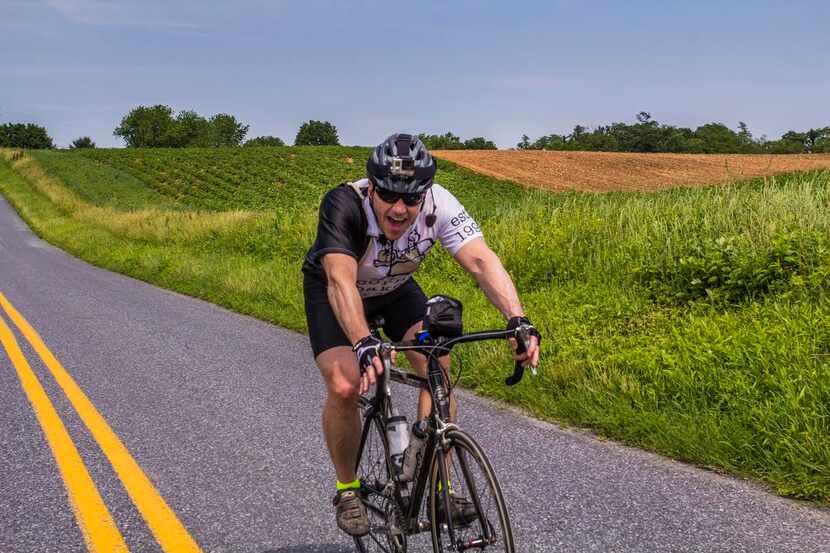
531, 356
368, 359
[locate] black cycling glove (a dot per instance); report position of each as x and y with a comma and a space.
366, 349
515, 322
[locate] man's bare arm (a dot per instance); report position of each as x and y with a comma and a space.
485, 266
344, 298
345, 301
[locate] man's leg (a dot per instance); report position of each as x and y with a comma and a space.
341, 417
341, 427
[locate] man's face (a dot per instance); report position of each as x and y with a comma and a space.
393, 218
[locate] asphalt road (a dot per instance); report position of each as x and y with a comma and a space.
221, 412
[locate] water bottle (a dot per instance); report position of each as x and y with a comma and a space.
397, 435
415, 451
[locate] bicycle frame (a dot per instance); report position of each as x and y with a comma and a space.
437, 382
380, 404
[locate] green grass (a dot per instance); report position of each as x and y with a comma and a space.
692, 322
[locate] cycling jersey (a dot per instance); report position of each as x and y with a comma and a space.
348, 225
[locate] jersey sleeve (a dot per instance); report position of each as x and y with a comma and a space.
341, 226
456, 227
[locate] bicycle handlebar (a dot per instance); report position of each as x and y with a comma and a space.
521, 333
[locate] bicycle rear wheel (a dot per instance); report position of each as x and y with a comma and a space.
484, 525
374, 474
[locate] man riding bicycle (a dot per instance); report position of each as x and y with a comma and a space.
372, 235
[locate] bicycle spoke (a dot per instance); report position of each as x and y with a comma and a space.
479, 519
373, 472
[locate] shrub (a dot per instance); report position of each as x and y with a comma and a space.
479, 143
25, 135
264, 141
82, 142
731, 269
317, 133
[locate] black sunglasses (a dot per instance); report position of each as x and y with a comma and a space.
410, 199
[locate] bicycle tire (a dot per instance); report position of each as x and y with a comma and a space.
374, 472
472, 477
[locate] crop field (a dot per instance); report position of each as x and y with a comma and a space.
689, 321
606, 171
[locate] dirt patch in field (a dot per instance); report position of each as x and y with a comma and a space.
606, 171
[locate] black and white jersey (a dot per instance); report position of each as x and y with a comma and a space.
348, 225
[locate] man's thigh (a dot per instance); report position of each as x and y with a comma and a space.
417, 360
402, 310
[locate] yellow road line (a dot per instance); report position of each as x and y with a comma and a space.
99, 530
171, 535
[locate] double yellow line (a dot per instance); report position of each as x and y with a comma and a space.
99, 530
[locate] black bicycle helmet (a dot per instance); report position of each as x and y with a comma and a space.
401, 163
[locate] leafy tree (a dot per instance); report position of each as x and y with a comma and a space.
822, 141
317, 133
450, 141
549, 142
155, 126
578, 133
25, 135
191, 129
479, 143
671, 139
784, 146
148, 127
647, 135
225, 130
816, 140
447, 141
82, 142
718, 138
265, 141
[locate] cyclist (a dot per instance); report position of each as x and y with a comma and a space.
371, 236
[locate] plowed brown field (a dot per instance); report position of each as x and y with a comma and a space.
606, 171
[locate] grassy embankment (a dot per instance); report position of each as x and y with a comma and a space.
693, 322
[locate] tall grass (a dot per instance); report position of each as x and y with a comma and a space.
692, 322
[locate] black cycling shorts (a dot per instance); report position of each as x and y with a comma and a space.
401, 308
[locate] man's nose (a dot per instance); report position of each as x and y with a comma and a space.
399, 206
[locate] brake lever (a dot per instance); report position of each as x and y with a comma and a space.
517, 375
522, 337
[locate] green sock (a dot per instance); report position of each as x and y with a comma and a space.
441, 486
355, 485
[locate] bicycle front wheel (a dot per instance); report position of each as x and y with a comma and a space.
373, 470
463, 484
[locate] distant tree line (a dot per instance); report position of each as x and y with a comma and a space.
24, 135
158, 127
647, 135
450, 141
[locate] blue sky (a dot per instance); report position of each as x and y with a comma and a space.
493, 69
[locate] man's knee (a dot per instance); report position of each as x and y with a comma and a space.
344, 391
342, 376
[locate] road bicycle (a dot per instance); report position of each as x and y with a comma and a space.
453, 476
